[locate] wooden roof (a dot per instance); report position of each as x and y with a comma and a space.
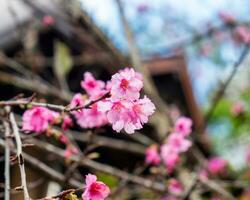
177, 65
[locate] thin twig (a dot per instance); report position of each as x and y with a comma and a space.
51, 106
45, 169
31, 185
191, 188
219, 94
116, 144
20, 156
33, 85
34, 78
101, 167
62, 194
204, 34
217, 188
7, 161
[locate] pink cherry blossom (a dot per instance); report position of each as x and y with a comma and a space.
117, 114
216, 198
183, 126
70, 151
242, 34
152, 155
178, 142
95, 190
226, 17
77, 100
67, 122
64, 139
92, 86
248, 154
168, 197
48, 20
130, 115
126, 84
174, 186
142, 8
216, 165
88, 118
91, 118
203, 174
37, 119
237, 108
170, 157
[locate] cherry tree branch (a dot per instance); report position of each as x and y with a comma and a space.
31, 79
51, 106
32, 85
198, 36
7, 161
217, 188
190, 188
19, 155
220, 93
45, 169
101, 167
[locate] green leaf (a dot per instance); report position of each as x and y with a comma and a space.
110, 180
93, 155
62, 62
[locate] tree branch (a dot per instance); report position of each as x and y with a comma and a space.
219, 94
19, 155
101, 167
45, 169
51, 106
7, 161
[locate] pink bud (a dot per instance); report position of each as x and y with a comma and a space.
48, 20
175, 187
242, 34
216, 165
152, 155
183, 126
237, 108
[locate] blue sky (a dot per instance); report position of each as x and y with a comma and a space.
194, 13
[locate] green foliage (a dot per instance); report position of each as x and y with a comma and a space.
110, 180
222, 110
62, 62
239, 124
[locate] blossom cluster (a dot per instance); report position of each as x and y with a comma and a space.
116, 102
123, 108
40, 120
175, 144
